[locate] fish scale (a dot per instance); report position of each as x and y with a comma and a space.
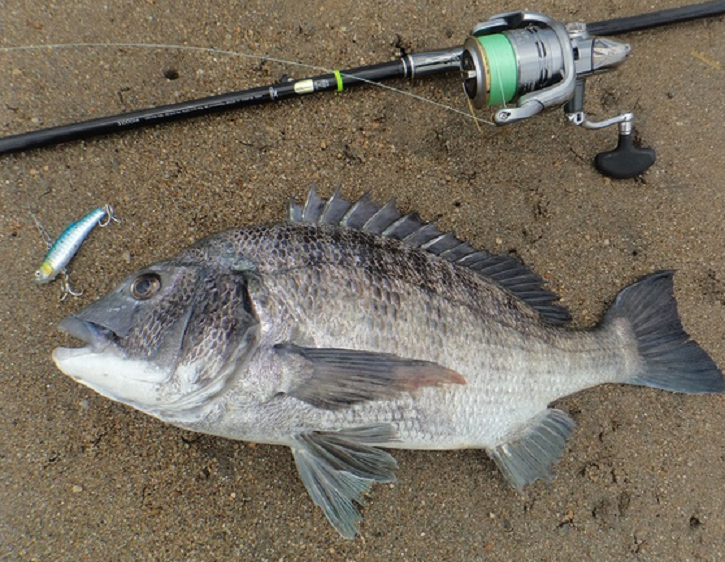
351, 328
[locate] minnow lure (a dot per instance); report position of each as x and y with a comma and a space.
61, 252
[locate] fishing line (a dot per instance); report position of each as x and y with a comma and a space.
213, 51
524, 62
41, 230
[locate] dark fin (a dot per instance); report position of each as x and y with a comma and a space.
458, 252
387, 214
364, 215
672, 361
313, 207
337, 378
531, 453
524, 283
338, 467
311, 212
441, 243
359, 213
474, 258
335, 209
294, 211
403, 226
422, 236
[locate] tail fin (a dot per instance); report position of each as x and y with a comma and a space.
672, 361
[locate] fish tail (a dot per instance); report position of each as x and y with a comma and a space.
669, 358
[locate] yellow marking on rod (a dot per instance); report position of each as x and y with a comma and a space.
304, 87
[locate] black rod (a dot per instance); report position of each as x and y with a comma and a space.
407, 67
618, 26
162, 114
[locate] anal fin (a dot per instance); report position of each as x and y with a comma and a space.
533, 450
338, 467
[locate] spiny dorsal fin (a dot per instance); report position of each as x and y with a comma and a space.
367, 216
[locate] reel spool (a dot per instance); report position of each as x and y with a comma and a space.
528, 60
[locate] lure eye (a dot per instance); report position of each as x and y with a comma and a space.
145, 286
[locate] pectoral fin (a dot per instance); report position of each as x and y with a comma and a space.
337, 378
530, 453
337, 467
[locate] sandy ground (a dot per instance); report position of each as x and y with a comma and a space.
82, 478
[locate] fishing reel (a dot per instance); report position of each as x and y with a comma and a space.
528, 60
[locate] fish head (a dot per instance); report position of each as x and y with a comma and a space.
167, 340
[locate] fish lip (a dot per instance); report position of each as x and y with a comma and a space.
61, 354
97, 338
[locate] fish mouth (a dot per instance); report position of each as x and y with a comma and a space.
104, 367
96, 337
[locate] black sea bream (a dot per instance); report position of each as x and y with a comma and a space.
350, 328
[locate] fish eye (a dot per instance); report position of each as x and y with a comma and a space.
145, 286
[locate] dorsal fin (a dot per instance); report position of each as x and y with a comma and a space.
365, 215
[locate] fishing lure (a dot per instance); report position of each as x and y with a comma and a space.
61, 252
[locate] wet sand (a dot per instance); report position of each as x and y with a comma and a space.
82, 478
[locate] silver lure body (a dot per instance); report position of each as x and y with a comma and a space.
352, 327
66, 246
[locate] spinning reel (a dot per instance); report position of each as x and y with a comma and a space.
527, 62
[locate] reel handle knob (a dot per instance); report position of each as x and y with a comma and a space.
626, 160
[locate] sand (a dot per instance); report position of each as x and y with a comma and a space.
82, 478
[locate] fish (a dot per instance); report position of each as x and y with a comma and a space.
350, 330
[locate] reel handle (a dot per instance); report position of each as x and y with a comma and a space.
626, 160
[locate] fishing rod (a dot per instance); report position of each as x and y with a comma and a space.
523, 61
